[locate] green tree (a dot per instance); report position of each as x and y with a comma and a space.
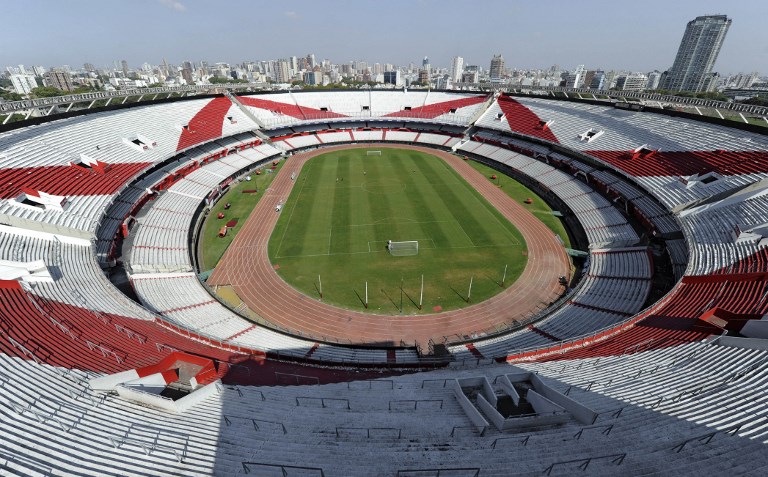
46, 92
215, 80
758, 100
11, 96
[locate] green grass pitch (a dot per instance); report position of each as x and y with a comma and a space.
346, 205
212, 247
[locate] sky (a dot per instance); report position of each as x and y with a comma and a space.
609, 34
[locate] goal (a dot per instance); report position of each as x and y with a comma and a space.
372, 153
403, 249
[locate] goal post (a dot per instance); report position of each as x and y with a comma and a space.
372, 153
403, 249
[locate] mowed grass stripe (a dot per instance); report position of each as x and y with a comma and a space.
380, 210
410, 212
506, 233
341, 239
444, 189
307, 229
423, 196
361, 208
465, 210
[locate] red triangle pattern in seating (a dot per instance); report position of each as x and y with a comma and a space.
523, 120
207, 124
431, 111
686, 163
677, 322
67, 180
21, 320
298, 112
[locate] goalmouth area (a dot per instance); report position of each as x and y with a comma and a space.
330, 240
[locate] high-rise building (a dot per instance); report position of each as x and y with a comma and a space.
598, 80
743, 80
497, 68
124, 65
610, 79
313, 77
702, 40
469, 76
425, 64
164, 69
23, 84
392, 77
457, 67
283, 72
424, 77
653, 80
58, 79
575, 78
632, 82
589, 75
186, 74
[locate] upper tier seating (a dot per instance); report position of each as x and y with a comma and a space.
281, 109
108, 149
681, 150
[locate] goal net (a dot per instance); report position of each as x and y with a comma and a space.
372, 153
403, 249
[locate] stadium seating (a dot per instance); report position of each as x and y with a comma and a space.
671, 391
686, 149
679, 409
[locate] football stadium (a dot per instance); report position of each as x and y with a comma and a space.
642, 321
383, 282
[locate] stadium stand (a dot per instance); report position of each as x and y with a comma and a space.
667, 382
371, 425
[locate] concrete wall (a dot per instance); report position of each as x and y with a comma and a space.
755, 329
748, 343
139, 395
108, 382
581, 412
472, 413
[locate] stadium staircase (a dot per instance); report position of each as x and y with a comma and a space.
250, 115
480, 111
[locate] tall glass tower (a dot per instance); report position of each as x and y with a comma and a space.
692, 69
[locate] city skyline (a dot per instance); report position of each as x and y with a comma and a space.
646, 39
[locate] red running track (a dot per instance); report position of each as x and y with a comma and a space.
247, 268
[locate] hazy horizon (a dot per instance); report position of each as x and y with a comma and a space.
529, 35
